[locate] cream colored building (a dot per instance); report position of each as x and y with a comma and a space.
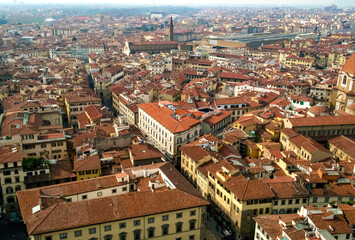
117, 208
12, 179
166, 129
76, 101
304, 147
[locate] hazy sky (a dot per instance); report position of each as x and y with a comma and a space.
340, 3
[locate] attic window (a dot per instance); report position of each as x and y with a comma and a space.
345, 78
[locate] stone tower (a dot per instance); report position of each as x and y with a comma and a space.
171, 30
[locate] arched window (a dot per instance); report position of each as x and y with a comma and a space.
178, 227
345, 78
108, 237
179, 140
9, 190
122, 236
137, 234
151, 231
188, 135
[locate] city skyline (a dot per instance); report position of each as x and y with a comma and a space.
197, 4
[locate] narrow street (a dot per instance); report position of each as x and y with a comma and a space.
12, 231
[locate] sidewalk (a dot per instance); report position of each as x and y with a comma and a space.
212, 230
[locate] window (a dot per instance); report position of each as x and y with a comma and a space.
151, 232
137, 222
192, 237
345, 78
276, 202
92, 230
165, 229
9, 190
43, 145
122, 225
193, 213
48, 238
63, 236
107, 228
192, 224
137, 234
283, 202
165, 217
108, 237
297, 201
124, 189
8, 180
84, 197
304, 200
151, 220
290, 201
10, 199
123, 236
179, 215
179, 227
78, 233
114, 191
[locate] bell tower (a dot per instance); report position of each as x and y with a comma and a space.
171, 30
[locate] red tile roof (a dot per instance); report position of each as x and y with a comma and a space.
164, 116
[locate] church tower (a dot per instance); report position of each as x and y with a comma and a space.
171, 30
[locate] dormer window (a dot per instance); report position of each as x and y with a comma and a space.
345, 78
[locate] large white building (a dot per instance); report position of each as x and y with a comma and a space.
168, 128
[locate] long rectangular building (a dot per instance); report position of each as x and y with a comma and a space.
322, 126
149, 47
150, 202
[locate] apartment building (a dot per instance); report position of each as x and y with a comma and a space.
168, 128
215, 122
329, 223
34, 135
86, 167
343, 148
12, 179
77, 100
103, 80
192, 63
82, 51
129, 109
304, 147
322, 91
172, 208
236, 105
93, 115
293, 60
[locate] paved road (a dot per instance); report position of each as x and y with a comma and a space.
12, 231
